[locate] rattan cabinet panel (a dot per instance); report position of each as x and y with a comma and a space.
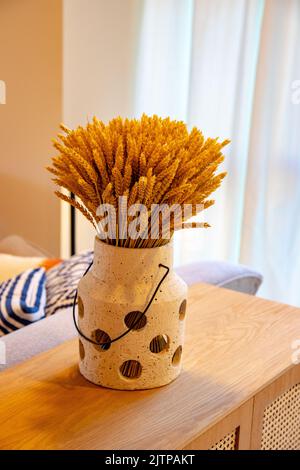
229, 442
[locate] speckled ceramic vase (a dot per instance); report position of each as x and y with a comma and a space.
111, 298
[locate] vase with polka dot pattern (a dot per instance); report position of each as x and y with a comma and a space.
112, 298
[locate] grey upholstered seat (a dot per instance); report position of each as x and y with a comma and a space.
48, 333
223, 274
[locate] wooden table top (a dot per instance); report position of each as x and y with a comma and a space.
235, 345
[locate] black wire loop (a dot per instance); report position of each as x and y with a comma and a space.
107, 343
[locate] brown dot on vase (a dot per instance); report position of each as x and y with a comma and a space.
101, 336
80, 308
182, 310
131, 369
177, 356
135, 320
160, 343
81, 350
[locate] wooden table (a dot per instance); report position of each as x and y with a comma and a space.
237, 362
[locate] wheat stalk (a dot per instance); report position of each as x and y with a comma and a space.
150, 160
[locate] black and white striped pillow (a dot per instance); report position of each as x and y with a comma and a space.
22, 300
62, 281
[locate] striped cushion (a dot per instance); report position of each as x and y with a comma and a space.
22, 300
62, 281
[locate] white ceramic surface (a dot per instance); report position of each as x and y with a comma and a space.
122, 280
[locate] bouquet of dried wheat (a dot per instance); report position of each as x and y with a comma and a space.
150, 162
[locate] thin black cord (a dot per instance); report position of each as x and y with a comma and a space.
73, 227
134, 323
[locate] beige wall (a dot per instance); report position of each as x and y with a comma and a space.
100, 47
31, 66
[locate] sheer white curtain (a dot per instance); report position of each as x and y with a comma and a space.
271, 222
229, 67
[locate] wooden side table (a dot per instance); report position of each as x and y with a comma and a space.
239, 388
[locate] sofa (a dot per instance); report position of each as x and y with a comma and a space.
53, 330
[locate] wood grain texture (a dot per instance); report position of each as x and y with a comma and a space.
235, 346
